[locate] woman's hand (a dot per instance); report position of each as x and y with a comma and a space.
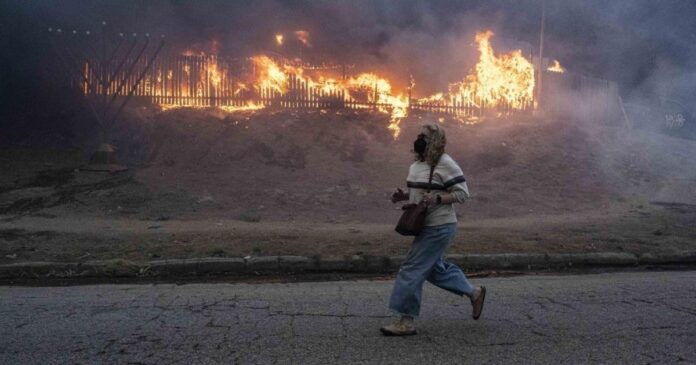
429, 198
398, 196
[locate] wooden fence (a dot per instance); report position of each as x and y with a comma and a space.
206, 80
472, 108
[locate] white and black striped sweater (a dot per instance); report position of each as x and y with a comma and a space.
447, 177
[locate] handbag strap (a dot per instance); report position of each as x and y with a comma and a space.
430, 179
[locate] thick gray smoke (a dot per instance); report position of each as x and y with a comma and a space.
646, 46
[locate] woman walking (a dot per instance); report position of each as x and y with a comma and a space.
425, 258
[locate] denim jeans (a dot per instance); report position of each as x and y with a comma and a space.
425, 262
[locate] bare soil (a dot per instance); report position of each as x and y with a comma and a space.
316, 183
651, 229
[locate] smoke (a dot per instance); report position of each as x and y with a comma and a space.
647, 47
631, 42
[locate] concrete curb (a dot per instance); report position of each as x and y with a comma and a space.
330, 264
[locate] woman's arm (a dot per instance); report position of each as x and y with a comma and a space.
457, 191
456, 194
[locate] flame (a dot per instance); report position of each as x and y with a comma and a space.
202, 80
270, 75
399, 111
214, 73
303, 36
240, 87
434, 99
387, 102
165, 107
496, 80
248, 106
556, 67
366, 87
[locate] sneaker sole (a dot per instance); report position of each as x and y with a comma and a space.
394, 334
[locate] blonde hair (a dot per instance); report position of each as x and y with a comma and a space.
436, 140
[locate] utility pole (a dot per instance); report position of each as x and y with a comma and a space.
540, 81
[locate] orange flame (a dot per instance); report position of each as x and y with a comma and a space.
395, 105
248, 106
270, 75
504, 79
366, 86
214, 73
279, 39
556, 67
438, 98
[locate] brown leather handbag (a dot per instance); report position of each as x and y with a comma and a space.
413, 217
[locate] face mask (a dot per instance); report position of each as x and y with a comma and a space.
420, 144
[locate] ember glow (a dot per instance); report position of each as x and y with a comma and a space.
498, 82
248, 106
556, 67
303, 36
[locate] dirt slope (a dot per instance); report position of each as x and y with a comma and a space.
330, 167
318, 184
340, 166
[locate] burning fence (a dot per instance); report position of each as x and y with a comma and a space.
499, 84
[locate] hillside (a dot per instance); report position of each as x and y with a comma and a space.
329, 167
317, 184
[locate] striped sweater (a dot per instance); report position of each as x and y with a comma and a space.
447, 178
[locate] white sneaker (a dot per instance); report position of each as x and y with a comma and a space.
403, 327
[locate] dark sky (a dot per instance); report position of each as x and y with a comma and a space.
648, 46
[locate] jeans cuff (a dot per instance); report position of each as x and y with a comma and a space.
394, 311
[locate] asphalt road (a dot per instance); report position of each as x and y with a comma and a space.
634, 318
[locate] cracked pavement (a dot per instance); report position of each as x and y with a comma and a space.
637, 317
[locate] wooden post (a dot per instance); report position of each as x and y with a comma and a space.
177, 80
374, 98
196, 76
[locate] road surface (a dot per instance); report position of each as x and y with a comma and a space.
637, 317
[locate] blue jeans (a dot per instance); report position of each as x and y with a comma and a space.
424, 262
